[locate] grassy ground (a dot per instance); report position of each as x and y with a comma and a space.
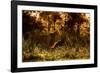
59, 53
72, 48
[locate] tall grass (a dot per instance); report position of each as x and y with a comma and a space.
73, 48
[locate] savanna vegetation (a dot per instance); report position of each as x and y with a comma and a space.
51, 36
